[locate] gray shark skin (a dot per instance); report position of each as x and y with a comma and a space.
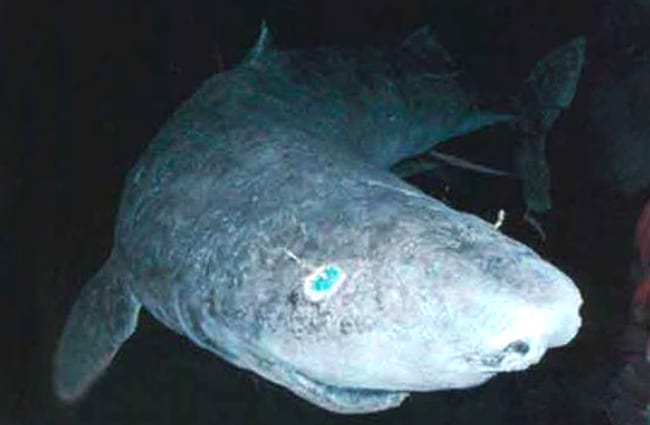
263, 224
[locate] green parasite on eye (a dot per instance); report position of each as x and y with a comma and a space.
323, 282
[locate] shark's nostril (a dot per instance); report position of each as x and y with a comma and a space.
514, 356
519, 347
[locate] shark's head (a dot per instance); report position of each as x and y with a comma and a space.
373, 290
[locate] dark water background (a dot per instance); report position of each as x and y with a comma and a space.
89, 83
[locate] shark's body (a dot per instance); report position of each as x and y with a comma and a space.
263, 225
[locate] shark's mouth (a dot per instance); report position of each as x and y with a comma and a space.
359, 400
347, 400
344, 400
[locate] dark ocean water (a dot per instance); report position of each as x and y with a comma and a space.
88, 85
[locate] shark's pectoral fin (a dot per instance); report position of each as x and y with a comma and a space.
102, 318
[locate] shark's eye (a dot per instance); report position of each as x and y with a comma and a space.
323, 282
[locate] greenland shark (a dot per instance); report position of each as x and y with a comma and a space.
263, 224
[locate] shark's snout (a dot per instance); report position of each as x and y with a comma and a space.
558, 301
515, 305
553, 324
525, 342
565, 328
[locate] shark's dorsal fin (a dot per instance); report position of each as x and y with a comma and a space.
262, 45
423, 47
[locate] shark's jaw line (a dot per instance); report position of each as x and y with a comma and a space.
347, 400
337, 399
340, 399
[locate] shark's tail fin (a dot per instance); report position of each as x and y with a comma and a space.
546, 93
102, 318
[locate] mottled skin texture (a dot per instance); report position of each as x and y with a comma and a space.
258, 179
